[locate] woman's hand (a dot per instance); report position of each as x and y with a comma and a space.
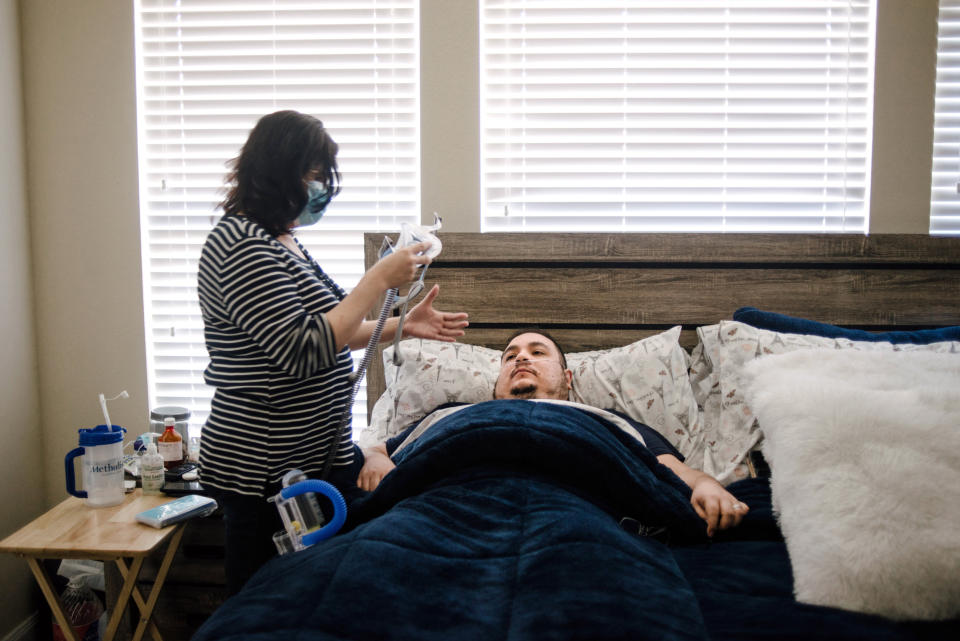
376, 465
423, 321
400, 267
716, 506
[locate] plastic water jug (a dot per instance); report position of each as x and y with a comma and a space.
102, 451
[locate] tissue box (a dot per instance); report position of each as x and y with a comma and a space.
183, 508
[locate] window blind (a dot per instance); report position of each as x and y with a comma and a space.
945, 183
207, 71
676, 115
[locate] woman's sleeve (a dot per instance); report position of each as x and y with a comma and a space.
263, 299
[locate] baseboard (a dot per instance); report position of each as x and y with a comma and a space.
26, 631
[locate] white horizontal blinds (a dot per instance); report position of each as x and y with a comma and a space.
207, 71
676, 115
945, 193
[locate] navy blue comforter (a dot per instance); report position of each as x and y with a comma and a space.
516, 520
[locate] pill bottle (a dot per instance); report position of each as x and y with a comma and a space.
170, 445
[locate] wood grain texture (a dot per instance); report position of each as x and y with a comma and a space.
682, 248
694, 296
71, 530
596, 291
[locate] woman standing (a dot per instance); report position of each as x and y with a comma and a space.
279, 333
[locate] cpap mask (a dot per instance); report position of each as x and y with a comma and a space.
411, 234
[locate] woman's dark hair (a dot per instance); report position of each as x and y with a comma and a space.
537, 330
266, 181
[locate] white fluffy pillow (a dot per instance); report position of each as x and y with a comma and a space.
730, 428
647, 380
864, 449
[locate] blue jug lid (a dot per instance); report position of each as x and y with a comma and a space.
101, 435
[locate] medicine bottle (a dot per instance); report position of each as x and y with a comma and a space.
170, 444
151, 470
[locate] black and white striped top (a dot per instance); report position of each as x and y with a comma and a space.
281, 383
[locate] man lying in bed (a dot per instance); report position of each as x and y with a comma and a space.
533, 367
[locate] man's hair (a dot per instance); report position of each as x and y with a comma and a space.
537, 330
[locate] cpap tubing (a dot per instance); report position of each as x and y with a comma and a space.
408, 234
357, 377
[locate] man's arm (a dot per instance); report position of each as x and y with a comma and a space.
376, 459
716, 506
376, 465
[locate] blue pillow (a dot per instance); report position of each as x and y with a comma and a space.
793, 325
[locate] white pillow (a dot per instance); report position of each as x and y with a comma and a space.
864, 449
647, 380
730, 428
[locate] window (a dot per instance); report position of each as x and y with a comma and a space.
612, 115
945, 188
207, 70
676, 115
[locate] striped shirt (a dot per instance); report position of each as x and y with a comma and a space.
281, 383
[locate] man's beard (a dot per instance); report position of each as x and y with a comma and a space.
523, 391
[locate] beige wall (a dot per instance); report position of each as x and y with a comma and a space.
21, 475
80, 97
905, 83
71, 278
449, 113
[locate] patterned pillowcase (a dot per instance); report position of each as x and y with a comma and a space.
647, 380
716, 374
432, 373
705, 383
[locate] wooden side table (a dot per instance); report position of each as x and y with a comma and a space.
71, 530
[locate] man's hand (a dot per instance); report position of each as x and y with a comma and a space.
716, 506
376, 465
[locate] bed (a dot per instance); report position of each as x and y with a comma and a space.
816, 376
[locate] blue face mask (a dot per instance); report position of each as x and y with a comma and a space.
318, 197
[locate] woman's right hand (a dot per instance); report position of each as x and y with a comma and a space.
400, 267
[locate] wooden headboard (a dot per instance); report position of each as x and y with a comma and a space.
593, 291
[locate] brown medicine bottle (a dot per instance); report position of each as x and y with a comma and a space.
170, 445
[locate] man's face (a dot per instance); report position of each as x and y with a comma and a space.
530, 368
